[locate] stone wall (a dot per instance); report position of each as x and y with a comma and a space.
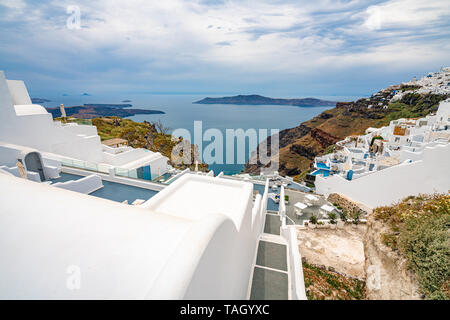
347, 204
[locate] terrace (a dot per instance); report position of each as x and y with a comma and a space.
313, 205
114, 191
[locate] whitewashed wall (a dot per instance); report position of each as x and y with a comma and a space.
429, 175
39, 131
84, 185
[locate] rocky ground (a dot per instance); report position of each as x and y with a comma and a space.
341, 250
388, 277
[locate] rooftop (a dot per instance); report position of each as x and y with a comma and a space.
114, 142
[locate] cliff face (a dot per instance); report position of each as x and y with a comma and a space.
300, 145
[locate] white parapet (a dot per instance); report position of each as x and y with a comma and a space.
84, 185
298, 291
226, 212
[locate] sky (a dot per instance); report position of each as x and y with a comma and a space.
275, 48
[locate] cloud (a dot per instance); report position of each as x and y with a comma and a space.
174, 43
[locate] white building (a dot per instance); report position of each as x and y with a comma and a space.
434, 82
408, 157
29, 125
197, 238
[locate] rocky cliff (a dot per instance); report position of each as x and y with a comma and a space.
299, 145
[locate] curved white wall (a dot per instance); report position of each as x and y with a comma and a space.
122, 251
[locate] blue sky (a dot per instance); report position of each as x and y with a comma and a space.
277, 48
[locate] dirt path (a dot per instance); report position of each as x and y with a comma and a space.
387, 275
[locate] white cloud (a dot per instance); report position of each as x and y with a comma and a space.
173, 38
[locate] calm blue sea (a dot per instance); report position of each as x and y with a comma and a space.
180, 112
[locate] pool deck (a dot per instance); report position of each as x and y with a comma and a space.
294, 197
112, 190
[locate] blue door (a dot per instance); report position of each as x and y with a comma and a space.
147, 173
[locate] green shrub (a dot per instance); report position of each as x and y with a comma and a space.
355, 215
389, 239
344, 216
332, 216
425, 241
330, 149
313, 219
420, 230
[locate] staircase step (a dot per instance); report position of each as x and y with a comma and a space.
272, 224
269, 285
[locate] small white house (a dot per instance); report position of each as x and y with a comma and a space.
30, 125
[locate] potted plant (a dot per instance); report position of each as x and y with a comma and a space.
312, 222
355, 215
286, 199
343, 219
332, 216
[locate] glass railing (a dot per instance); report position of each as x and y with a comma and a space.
85, 165
141, 173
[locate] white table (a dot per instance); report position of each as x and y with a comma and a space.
298, 208
327, 208
311, 197
300, 205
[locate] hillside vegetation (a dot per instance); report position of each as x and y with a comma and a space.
151, 136
321, 284
419, 229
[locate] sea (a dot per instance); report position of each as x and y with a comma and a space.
180, 113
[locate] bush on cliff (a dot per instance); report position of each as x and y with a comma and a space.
420, 230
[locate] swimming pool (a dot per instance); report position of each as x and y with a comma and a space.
323, 172
271, 205
112, 190
322, 165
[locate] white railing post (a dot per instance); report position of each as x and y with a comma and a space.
282, 208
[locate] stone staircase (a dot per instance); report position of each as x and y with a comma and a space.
270, 276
